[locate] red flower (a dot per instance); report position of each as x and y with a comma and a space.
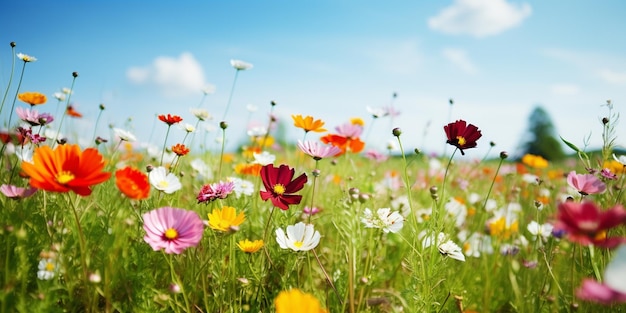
461, 135
170, 119
72, 112
279, 186
132, 183
180, 149
586, 224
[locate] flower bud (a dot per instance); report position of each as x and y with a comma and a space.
396, 132
316, 172
605, 121
223, 125
504, 155
102, 107
13, 44
75, 74
149, 168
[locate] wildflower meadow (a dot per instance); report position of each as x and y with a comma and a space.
322, 224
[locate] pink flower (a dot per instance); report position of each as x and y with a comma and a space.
33, 117
349, 130
15, 192
318, 151
376, 155
586, 184
311, 210
172, 229
215, 191
592, 290
586, 224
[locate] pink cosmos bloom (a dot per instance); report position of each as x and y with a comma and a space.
586, 184
376, 155
592, 290
33, 117
586, 224
311, 210
318, 151
349, 130
15, 192
212, 192
172, 229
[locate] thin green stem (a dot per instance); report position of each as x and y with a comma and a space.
230, 97
19, 84
69, 95
4, 98
165, 144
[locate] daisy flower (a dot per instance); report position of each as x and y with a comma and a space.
383, 219
225, 219
299, 237
160, 179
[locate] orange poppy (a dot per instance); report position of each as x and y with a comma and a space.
66, 168
72, 112
132, 183
354, 145
32, 98
170, 119
180, 149
308, 123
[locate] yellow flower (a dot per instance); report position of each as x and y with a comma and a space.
614, 166
534, 161
357, 121
308, 123
296, 301
225, 219
248, 246
32, 98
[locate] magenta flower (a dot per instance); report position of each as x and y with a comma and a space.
586, 224
318, 151
215, 191
15, 192
311, 210
280, 185
172, 229
33, 117
586, 184
592, 290
375, 155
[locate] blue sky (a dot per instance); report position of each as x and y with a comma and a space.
330, 59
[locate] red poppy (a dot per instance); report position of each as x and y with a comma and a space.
170, 119
133, 183
461, 135
586, 224
279, 186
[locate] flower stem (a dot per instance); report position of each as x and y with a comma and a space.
165, 144
4, 98
69, 95
230, 97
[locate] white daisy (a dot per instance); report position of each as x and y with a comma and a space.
540, 230
166, 182
384, 219
124, 135
299, 237
240, 65
263, 158
47, 269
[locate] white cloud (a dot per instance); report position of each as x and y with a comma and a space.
479, 18
460, 59
564, 90
613, 77
174, 76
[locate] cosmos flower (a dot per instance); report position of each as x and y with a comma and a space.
180, 149
240, 65
613, 289
225, 219
534, 161
160, 179
172, 229
33, 117
280, 185
208, 89
461, 135
14, 192
26, 58
445, 246
375, 155
212, 192
308, 123
294, 300
132, 183
587, 224
377, 112
200, 114
318, 151
170, 119
124, 135
585, 184
66, 168
241, 186
383, 219
542, 231
346, 138
32, 98
248, 246
71, 111
299, 237
263, 158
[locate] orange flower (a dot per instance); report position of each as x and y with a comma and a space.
72, 112
180, 149
132, 183
32, 98
66, 168
354, 145
170, 119
308, 123
248, 169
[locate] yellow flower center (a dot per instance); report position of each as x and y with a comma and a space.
279, 189
461, 140
65, 177
171, 234
49, 266
163, 184
298, 244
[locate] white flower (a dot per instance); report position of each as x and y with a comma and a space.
445, 246
66, 91
543, 230
621, 159
208, 89
299, 237
384, 219
26, 57
476, 244
531, 179
240, 65
257, 131
202, 169
166, 182
47, 269
124, 135
189, 128
376, 112
456, 210
25, 153
263, 158
59, 96
201, 114
616, 271
242, 186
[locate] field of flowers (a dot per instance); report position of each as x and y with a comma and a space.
325, 225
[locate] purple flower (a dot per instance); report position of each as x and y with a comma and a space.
33, 117
376, 155
586, 184
318, 151
606, 173
592, 290
15, 192
172, 229
311, 211
215, 191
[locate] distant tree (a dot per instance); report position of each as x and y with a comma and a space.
540, 138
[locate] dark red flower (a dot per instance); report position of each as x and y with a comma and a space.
461, 135
170, 119
279, 186
586, 224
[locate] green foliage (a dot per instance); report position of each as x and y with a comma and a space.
540, 138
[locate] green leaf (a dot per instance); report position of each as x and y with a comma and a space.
571, 145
